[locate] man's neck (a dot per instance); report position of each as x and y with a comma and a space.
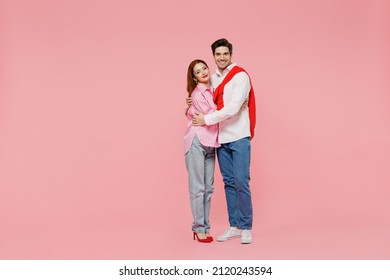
222, 70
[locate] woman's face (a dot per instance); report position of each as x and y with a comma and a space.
201, 73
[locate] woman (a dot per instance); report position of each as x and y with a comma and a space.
199, 145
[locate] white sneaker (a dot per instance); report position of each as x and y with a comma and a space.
231, 232
246, 236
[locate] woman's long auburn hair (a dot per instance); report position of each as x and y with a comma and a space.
191, 84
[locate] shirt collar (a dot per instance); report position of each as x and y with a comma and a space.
227, 69
203, 88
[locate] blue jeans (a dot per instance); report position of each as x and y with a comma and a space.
200, 162
234, 161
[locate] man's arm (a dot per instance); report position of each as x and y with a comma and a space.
241, 88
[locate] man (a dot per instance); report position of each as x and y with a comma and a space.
232, 88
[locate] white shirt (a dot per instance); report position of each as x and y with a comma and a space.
233, 125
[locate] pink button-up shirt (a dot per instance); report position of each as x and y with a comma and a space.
202, 102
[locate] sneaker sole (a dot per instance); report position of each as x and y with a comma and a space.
223, 240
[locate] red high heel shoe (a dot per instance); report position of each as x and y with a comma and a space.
209, 236
204, 240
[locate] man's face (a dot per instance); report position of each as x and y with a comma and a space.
222, 57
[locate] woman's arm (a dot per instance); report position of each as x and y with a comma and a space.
203, 102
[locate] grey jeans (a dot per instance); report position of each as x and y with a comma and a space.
200, 163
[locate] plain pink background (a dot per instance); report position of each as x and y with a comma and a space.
92, 121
